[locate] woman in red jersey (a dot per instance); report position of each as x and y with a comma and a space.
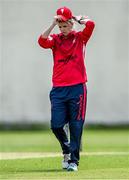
69, 93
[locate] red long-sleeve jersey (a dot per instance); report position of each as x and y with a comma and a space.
68, 55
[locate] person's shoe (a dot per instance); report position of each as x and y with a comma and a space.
72, 167
65, 163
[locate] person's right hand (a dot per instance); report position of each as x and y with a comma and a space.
56, 19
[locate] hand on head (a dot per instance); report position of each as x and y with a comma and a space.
57, 19
80, 19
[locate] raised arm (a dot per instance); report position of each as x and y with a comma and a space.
45, 40
89, 26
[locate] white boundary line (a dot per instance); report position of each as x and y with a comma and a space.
25, 155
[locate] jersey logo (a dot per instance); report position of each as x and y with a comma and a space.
62, 10
68, 59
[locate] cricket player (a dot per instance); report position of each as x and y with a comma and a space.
69, 92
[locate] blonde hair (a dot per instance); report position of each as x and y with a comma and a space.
70, 21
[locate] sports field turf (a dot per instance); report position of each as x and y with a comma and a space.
107, 156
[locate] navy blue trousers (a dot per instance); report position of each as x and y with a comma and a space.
68, 105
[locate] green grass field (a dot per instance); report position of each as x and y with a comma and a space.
92, 166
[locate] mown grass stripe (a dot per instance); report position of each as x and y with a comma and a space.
24, 155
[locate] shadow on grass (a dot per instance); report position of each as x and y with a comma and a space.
47, 170
36, 170
55, 170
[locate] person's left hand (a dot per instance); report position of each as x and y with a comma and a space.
81, 19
